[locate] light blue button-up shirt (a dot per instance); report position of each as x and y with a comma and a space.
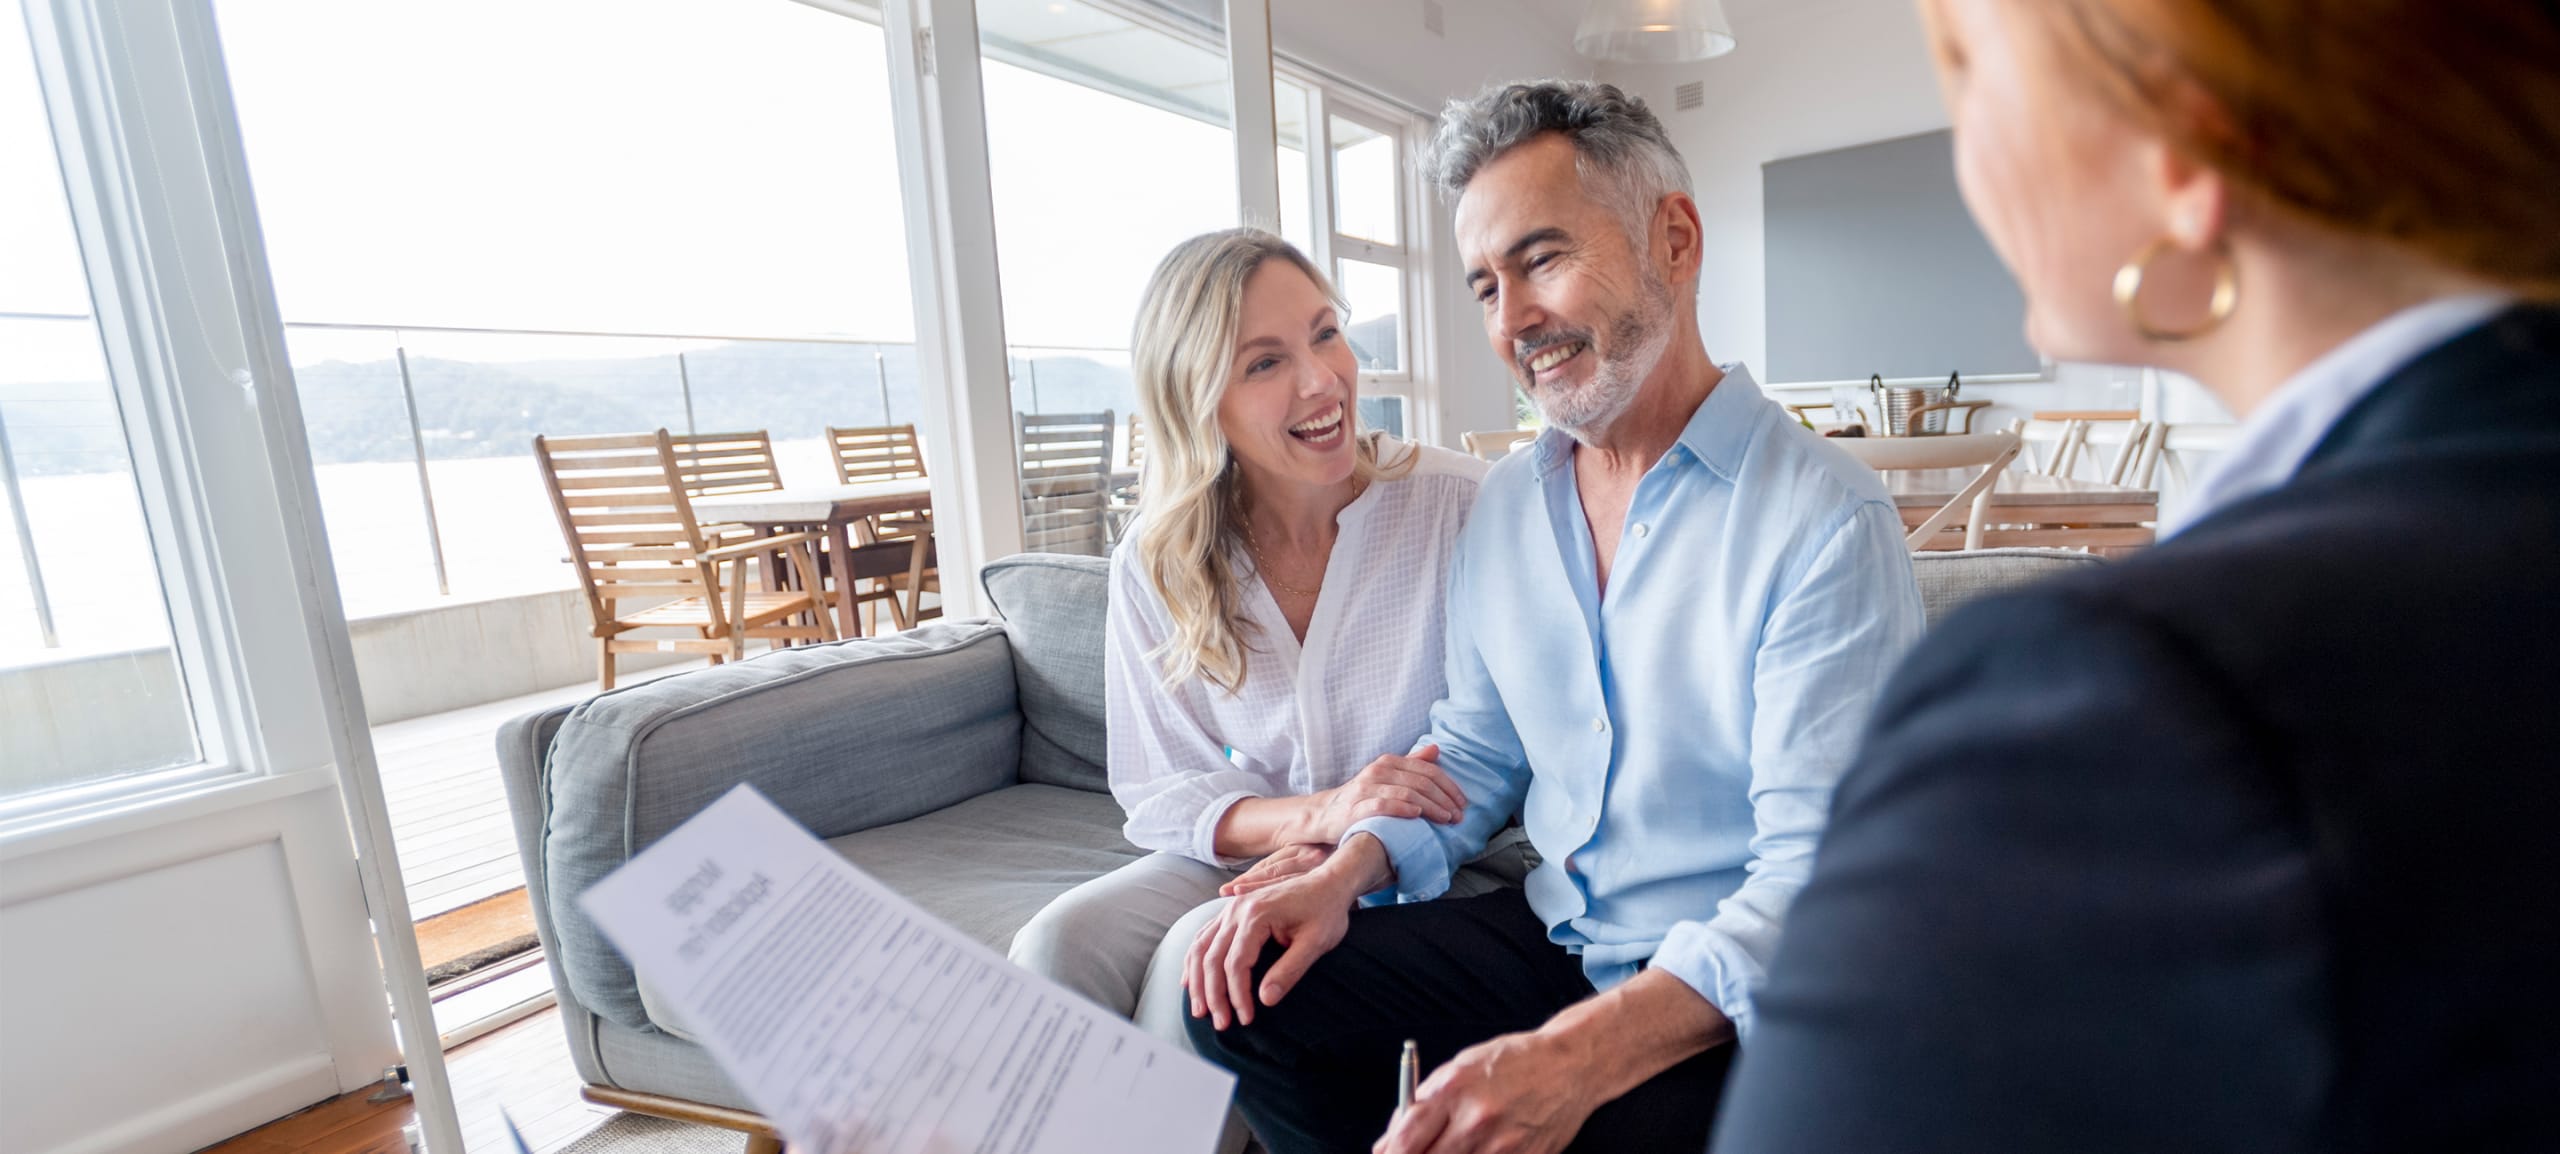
1671, 748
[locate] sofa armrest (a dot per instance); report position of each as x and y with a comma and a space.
842, 737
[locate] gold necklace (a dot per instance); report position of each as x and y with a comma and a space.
1262, 568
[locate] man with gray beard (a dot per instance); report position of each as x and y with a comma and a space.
1669, 617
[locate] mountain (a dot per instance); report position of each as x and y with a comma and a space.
354, 410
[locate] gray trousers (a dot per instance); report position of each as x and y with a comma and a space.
1120, 939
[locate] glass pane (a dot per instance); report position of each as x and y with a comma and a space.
1108, 142
1383, 413
1364, 182
1376, 295
90, 686
647, 214
1289, 102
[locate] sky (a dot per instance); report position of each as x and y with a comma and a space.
713, 167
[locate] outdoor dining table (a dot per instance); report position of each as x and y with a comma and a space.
2032, 509
833, 509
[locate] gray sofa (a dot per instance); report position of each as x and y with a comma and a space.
961, 763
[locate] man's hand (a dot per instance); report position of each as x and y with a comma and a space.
1516, 1094
1306, 914
1392, 786
1287, 862
1531, 1093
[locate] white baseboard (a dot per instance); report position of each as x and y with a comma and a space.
204, 1118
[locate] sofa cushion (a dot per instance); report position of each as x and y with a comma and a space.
985, 865
1950, 579
842, 737
989, 863
1054, 609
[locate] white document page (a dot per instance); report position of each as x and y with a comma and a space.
861, 1025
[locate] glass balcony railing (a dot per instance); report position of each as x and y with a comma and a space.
421, 441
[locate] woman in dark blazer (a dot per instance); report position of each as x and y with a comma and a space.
2251, 842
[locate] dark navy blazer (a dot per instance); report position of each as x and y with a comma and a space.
2248, 843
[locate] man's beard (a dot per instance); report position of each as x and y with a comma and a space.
1637, 339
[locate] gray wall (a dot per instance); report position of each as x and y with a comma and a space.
1875, 267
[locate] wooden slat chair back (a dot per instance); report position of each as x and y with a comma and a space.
1495, 444
875, 453
1066, 481
644, 563
713, 463
1134, 448
1992, 451
881, 453
1123, 505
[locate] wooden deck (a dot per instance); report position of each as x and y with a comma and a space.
448, 809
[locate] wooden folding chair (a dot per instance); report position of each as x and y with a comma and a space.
1066, 481
631, 533
890, 453
1992, 451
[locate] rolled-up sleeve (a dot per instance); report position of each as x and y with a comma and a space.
1167, 771
1480, 751
1829, 645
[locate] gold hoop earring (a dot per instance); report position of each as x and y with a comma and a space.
2226, 292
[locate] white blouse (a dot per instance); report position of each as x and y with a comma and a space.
1309, 715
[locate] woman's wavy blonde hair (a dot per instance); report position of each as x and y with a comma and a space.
1191, 500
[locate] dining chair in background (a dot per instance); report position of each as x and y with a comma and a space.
1123, 506
628, 521
880, 453
1495, 444
1066, 481
890, 453
1991, 452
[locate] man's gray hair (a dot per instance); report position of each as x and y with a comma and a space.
1620, 148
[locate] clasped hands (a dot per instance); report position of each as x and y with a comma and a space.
1512, 1093
1393, 786
1301, 894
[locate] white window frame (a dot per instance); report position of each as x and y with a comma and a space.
1414, 380
139, 105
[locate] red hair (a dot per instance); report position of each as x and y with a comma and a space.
2430, 124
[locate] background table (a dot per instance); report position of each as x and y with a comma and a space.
834, 509
2039, 511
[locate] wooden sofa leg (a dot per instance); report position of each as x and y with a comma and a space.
763, 1144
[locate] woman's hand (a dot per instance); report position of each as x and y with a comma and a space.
1392, 786
1279, 866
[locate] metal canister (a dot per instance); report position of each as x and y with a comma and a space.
1896, 403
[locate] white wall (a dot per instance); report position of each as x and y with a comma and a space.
1382, 45
170, 979
1810, 76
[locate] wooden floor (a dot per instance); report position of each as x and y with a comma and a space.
448, 809
523, 1068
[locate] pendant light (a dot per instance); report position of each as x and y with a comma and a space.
1654, 31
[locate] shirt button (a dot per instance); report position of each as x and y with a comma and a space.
1599, 725
1640, 529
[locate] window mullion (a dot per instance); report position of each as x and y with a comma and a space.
1320, 178
1251, 102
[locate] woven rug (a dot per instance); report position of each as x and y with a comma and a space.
641, 1134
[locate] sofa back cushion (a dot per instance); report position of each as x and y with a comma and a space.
1950, 579
843, 737
1054, 609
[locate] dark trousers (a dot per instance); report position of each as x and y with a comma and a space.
1318, 1071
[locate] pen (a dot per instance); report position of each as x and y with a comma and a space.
1408, 1074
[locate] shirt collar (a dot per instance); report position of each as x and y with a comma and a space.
2275, 440
1717, 434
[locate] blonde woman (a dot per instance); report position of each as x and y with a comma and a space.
1275, 618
